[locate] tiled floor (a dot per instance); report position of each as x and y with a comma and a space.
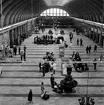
18, 78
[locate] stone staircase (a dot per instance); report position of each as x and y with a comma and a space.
18, 78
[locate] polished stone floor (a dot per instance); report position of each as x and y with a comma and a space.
19, 77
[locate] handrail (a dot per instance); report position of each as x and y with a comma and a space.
89, 22
15, 25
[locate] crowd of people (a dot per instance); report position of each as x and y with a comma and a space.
48, 64
10, 52
45, 39
79, 67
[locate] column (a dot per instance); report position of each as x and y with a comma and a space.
11, 35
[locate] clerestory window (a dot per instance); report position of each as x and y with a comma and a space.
54, 12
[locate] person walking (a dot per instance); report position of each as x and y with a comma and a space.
52, 80
42, 87
95, 64
30, 96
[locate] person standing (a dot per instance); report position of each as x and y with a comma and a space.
95, 64
54, 67
52, 80
22, 54
30, 96
81, 42
15, 50
40, 66
42, 87
78, 41
24, 48
89, 49
43, 69
95, 48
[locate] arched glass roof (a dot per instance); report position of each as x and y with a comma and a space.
54, 12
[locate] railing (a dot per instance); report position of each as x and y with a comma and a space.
89, 22
15, 25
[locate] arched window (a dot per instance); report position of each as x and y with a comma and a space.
54, 12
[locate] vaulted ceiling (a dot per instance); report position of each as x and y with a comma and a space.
18, 10
56, 2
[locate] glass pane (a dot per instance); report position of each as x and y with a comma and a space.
51, 11
57, 10
44, 12
48, 11
60, 11
54, 12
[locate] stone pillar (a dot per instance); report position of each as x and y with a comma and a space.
11, 35
18, 35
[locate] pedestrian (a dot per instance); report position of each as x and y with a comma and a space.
42, 87
95, 48
43, 70
24, 48
71, 37
95, 63
81, 42
15, 50
78, 41
54, 67
89, 49
40, 66
52, 80
19, 50
22, 54
30, 96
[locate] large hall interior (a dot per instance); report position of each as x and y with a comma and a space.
51, 52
